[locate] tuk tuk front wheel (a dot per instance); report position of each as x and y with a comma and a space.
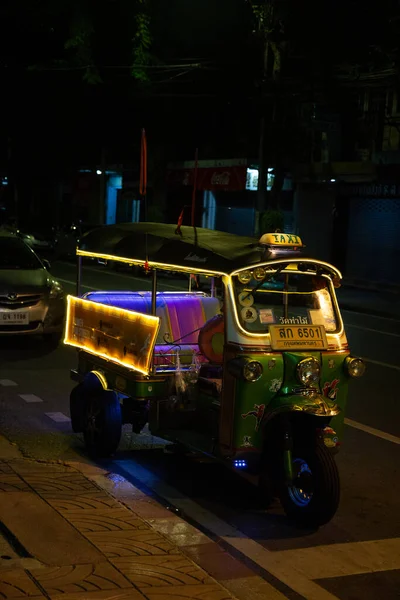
312, 498
102, 423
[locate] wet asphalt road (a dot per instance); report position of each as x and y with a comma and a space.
366, 530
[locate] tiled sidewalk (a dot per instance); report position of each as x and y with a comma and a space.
87, 534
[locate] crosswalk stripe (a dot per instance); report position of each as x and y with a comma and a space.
7, 383
30, 398
58, 417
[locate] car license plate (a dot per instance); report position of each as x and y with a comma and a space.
14, 318
298, 337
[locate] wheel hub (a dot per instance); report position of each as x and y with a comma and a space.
301, 490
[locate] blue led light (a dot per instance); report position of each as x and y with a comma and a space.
240, 464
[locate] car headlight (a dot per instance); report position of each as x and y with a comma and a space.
308, 371
56, 291
252, 370
355, 366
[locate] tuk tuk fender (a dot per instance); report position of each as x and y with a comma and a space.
308, 402
297, 414
91, 383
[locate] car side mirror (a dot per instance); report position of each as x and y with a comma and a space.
46, 264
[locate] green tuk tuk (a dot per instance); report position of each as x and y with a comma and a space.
254, 374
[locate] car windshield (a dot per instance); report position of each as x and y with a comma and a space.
14, 254
285, 299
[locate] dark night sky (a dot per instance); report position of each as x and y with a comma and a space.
57, 119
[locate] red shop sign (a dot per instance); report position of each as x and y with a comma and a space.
211, 178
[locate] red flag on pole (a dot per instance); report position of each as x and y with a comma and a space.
180, 221
143, 164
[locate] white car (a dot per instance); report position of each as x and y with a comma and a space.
31, 300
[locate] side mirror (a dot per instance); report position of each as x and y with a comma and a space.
46, 264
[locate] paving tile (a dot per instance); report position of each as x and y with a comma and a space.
188, 592
148, 509
129, 594
179, 532
17, 584
50, 485
108, 519
218, 563
45, 527
5, 467
116, 544
95, 500
10, 482
92, 493
26, 466
118, 486
80, 578
160, 571
254, 587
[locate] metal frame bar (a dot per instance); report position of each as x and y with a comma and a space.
79, 275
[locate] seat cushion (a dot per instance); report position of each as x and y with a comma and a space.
182, 315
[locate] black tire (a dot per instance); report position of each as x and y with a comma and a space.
77, 408
102, 423
314, 500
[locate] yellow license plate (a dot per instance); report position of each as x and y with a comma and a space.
298, 337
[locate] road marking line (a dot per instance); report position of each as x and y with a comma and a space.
58, 417
381, 364
123, 275
296, 580
87, 287
341, 560
376, 432
7, 382
373, 330
30, 398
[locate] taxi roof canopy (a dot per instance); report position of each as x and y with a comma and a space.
190, 249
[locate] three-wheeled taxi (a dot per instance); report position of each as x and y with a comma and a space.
254, 374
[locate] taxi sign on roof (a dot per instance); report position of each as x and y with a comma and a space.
281, 239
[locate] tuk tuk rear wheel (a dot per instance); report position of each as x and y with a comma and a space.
313, 497
102, 423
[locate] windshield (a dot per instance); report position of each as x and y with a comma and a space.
285, 299
14, 254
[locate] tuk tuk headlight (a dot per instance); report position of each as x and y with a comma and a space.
355, 366
252, 370
259, 274
308, 371
244, 277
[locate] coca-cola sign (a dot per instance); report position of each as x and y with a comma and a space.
210, 178
220, 178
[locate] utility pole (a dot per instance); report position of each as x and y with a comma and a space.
12, 180
103, 178
265, 12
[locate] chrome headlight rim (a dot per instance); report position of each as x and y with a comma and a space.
352, 363
311, 364
252, 371
56, 291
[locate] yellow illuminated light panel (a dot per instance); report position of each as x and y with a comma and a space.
121, 336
